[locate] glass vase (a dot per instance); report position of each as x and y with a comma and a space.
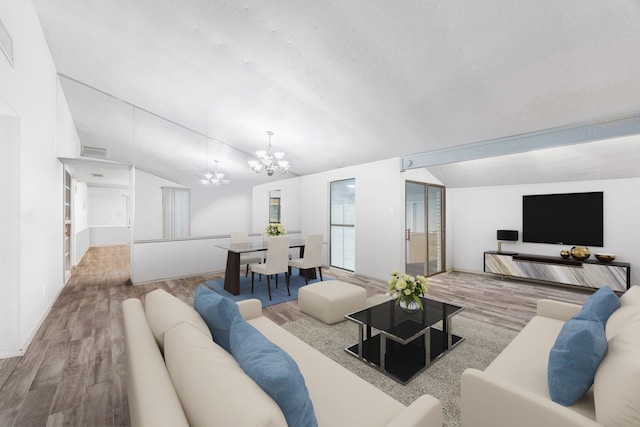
409, 305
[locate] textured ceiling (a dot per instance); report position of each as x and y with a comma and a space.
159, 83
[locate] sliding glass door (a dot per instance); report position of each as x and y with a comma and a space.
424, 228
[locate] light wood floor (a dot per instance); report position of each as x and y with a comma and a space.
73, 372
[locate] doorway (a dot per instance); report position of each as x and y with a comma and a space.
424, 228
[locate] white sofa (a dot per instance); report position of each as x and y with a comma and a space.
513, 389
198, 383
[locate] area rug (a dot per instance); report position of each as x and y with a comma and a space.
278, 295
483, 342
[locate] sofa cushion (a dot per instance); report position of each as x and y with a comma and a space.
164, 311
574, 358
615, 387
273, 370
629, 307
600, 304
218, 312
328, 397
213, 389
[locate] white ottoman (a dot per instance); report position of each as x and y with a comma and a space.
329, 301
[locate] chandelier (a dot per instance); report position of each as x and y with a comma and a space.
215, 177
269, 161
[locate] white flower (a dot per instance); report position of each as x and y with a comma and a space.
274, 230
405, 286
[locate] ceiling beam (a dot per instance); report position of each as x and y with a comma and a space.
567, 135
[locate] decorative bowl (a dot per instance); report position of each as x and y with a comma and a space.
565, 254
605, 257
580, 253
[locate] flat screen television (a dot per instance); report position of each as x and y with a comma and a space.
566, 219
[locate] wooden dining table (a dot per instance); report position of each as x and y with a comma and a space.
232, 272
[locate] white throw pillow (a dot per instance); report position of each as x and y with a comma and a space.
615, 386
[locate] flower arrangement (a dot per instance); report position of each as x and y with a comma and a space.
274, 229
406, 289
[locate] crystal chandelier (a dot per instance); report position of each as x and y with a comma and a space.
269, 161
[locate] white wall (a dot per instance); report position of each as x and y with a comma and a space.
379, 210
476, 214
108, 216
31, 89
290, 200
10, 241
168, 259
213, 215
148, 205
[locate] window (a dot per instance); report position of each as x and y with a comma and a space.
343, 223
175, 212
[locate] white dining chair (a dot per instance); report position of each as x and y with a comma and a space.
249, 257
312, 258
277, 262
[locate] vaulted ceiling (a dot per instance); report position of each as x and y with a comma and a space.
163, 84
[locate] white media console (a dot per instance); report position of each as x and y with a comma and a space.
589, 273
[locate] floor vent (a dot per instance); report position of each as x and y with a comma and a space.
6, 44
94, 152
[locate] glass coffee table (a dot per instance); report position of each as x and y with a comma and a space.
405, 344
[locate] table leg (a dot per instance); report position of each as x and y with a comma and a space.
360, 339
383, 351
427, 348
232, 273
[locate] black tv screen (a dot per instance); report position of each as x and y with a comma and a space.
567, 219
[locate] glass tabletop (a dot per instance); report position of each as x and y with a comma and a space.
260, 245
390, 318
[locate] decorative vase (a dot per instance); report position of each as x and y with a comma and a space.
580, 253
408, 305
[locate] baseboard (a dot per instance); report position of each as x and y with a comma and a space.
25, 345
9, 354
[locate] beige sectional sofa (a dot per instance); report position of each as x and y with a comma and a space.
178, 376
513, 389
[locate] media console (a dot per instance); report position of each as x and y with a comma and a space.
589, 273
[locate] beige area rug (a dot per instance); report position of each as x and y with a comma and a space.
482, 343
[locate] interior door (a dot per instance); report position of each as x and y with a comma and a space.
424, 228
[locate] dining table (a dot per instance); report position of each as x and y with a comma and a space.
232, 271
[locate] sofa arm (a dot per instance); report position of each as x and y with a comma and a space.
425, 411
250, 308
557, 309
487, 401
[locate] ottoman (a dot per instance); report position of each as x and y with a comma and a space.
329, 301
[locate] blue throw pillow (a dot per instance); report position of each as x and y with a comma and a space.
601, 304
273, 370
574, 358
218, 312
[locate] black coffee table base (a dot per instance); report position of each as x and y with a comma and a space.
405, 362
